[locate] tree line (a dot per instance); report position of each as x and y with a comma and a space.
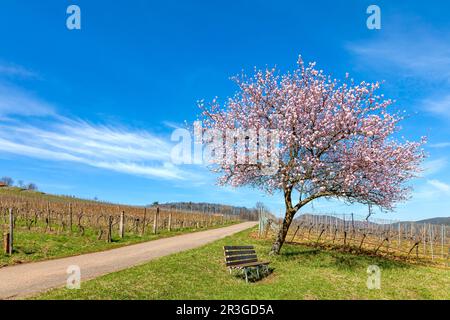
9, 182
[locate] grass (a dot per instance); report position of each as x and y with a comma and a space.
36, 245
298, 273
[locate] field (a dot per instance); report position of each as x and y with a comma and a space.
409, 241
47, 226
324, 259
300, 272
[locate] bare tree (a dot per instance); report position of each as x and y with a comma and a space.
8, 181
32, 187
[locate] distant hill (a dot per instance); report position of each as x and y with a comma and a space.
436, 221
32, 194
439, 220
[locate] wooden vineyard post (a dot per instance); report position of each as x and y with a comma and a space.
259, 222
169, 226
6, 242
336, 229
424, 240
110, 222
353, 224
430, 231
345, 231
442, 240
295, 233
143, 221
177, 221
122, 225
329, 223
10, 241
183, 225
267, 226
49, 226
70, 217
155, 221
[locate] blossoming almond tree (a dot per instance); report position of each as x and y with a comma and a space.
335, 140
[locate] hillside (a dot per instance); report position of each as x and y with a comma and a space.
435, 221
243, 212
438, 220
31, 194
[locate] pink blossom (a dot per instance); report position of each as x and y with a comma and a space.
335, 139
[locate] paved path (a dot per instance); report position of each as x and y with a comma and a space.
24, 280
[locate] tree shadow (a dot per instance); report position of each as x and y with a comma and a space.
253, 275
28, 251
352, 261
307, 252
342, 258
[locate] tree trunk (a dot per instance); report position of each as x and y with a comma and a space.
281, 237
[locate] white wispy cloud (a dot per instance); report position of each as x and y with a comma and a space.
432, 190
438, 105
13, 70
439, 145
118, 149
15, 101
174, 125
440, 186
414, 51
31, 127
430, 167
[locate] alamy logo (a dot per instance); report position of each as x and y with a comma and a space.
227, 148
374, 20
74, 278
73, 21
374, 277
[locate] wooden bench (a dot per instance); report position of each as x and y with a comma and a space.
244, 258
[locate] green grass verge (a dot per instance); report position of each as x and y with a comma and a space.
36, 245
299, 273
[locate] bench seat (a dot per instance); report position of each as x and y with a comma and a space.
244, 258
251, 264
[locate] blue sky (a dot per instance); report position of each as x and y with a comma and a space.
89, 112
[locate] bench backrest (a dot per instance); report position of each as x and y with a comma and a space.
237, 255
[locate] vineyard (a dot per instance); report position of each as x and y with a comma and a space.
407, 240
52, 215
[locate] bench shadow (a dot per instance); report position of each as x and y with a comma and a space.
253, 277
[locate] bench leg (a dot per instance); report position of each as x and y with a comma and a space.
246, 274
266, 269
257, 272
